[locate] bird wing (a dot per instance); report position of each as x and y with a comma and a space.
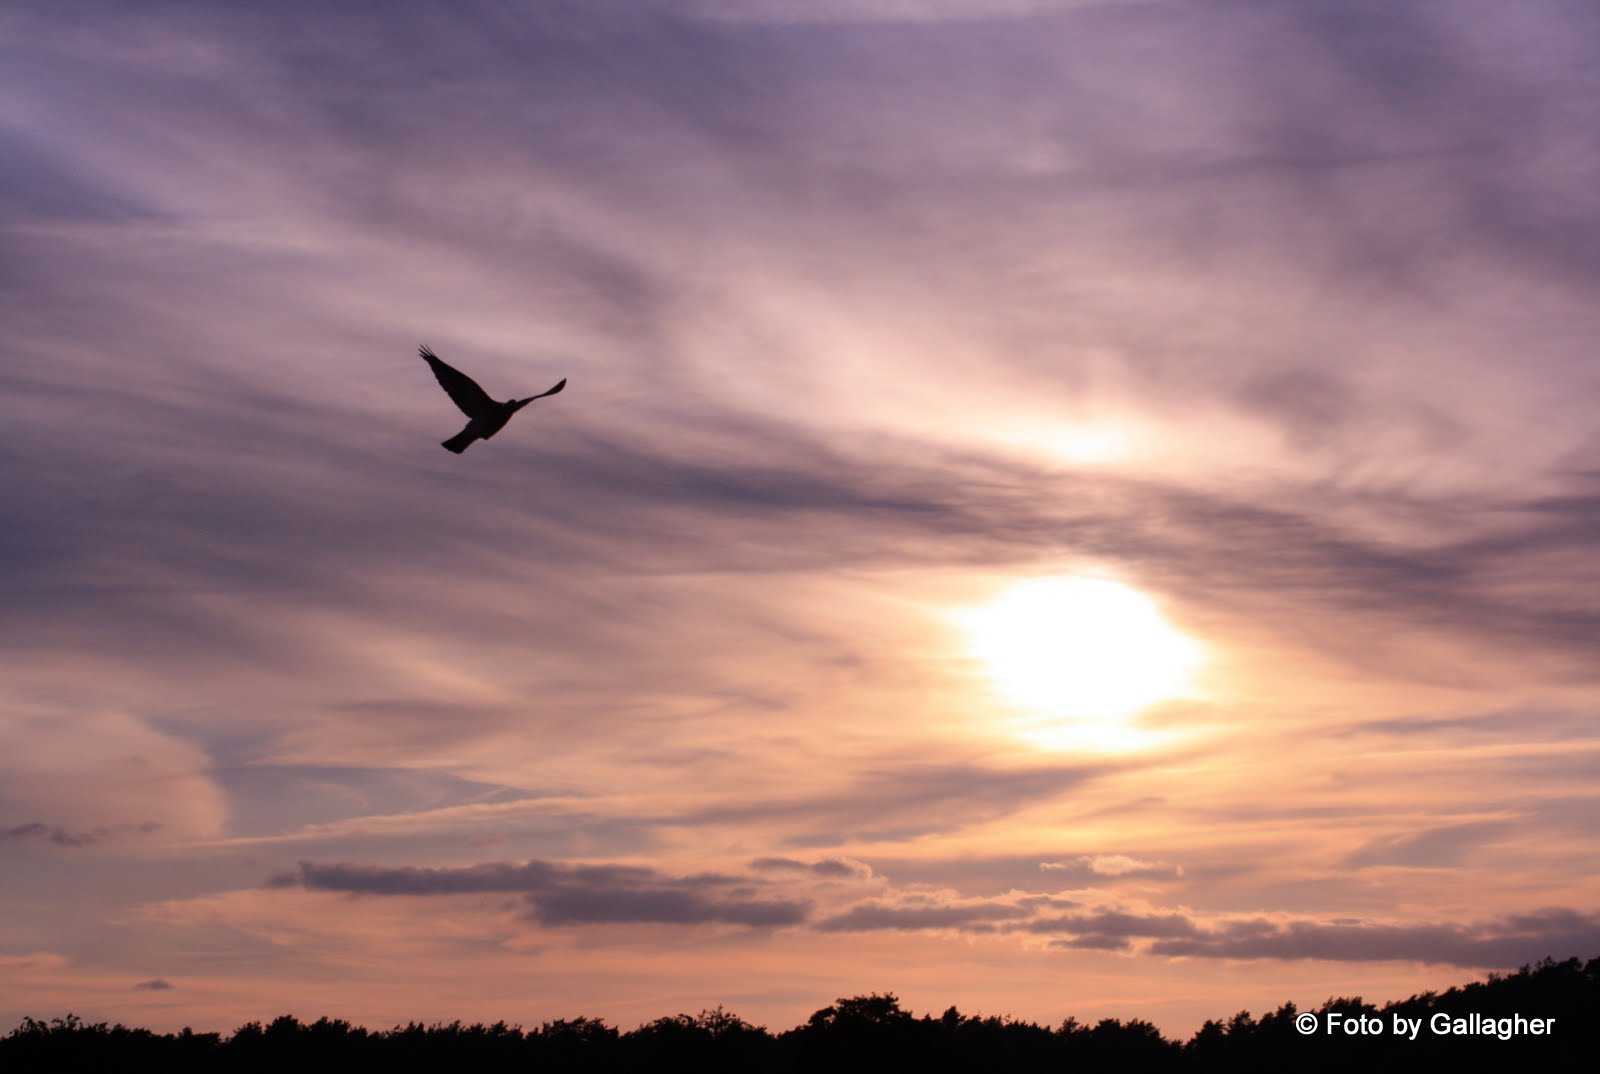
462, 389
552, 391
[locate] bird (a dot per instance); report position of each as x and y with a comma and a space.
487, 416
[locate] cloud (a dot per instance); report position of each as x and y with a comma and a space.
267, 798
895, 803
829, 868
1436, 848
1039, 871
1500, 943
181, 525
795, 12
1504, 942
34, 960
564, 894
1114, 924
62, 837
155, 984
587, 904
87, 769
1518, 725
1111, 865
970, 917
1094, 942
410, 880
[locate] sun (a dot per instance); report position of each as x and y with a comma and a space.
1080, 656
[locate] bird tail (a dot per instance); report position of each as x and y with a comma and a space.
458, 443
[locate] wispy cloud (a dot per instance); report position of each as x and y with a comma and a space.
1100, 865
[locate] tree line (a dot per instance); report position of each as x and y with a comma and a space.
1472, 1026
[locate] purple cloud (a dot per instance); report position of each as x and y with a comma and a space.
564, 894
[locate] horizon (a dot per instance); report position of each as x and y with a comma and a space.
869, 1030
1560, 980
1078, 506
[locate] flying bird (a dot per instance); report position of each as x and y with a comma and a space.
486, 416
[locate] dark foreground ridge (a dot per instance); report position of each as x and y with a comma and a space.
1500, 1023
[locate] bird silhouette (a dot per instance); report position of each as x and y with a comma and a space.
486, 416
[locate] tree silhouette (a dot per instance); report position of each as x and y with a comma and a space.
869, 1032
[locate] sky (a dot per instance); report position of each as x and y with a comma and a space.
1060, 507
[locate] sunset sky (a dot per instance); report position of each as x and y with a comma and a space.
1061, 507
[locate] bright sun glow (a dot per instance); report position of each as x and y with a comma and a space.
1086, 444
1081, 656
1068, 441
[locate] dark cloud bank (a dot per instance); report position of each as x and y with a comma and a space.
572, 895
561, 894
